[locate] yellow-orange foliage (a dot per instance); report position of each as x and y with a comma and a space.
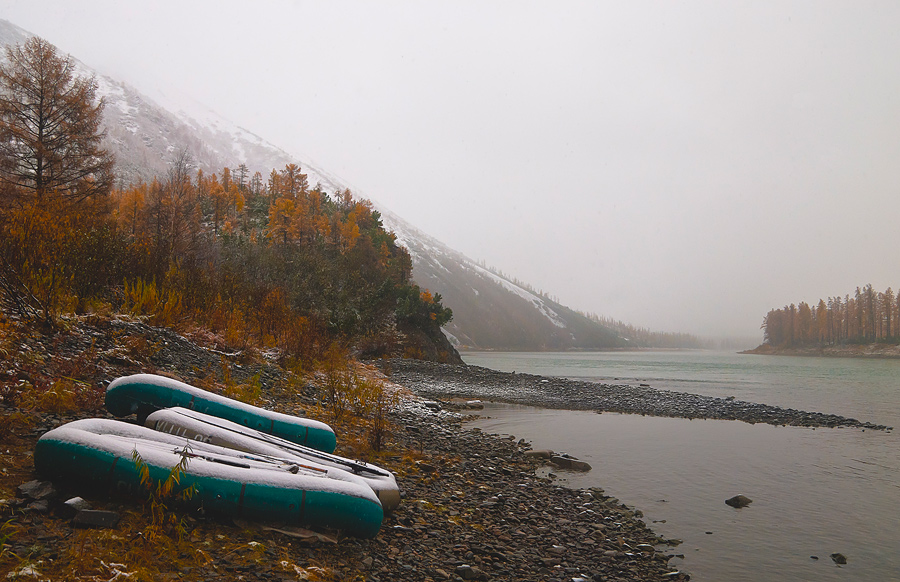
264, 265
38, 241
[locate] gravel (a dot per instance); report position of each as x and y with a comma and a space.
444, 381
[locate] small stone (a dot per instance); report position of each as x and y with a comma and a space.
72, 506
839, 558
77, 503
467, 572
36, 490
738, 501
95, 518
40, 506
570, 464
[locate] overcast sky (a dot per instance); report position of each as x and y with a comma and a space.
684, 166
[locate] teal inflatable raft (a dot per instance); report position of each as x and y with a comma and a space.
197, 426
99, 453
142, 394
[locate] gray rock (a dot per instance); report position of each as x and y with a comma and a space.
71, 507
77, 503
40, 506
738, 501
539, 454
94, 518
467, 572
36, 490
839, 558
570, 464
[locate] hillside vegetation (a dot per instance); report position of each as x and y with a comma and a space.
262, 291
260, 263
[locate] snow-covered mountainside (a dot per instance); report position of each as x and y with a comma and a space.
489, 311
146, 137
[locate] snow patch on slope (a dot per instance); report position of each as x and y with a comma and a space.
538, 303
423, 248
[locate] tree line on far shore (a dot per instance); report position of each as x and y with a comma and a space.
866, 317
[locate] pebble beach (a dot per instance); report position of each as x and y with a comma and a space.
474, 506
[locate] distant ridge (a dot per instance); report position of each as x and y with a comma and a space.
490, 311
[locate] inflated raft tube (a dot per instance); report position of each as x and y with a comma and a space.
201, 427
141, 394
99, 453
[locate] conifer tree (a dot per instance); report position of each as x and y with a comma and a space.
50, 137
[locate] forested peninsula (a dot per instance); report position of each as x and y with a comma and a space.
258, 263
865, 324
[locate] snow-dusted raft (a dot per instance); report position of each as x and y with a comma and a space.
217, 431
142, 394
99, 453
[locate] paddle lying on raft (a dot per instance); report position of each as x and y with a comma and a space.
142, 394
210, 429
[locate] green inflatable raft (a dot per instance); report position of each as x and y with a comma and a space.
100, 454
143, 394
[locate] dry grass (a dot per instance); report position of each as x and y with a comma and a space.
162, 543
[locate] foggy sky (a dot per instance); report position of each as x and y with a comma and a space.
683, 166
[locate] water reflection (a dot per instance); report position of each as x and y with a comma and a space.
815, 492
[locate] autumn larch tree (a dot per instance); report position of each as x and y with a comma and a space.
50, 137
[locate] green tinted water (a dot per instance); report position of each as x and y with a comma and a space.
815, 492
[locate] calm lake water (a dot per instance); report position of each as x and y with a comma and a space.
815, 492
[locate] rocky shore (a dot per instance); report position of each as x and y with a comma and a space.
477, 511
473, 506
433, 380
869, 351
472, 509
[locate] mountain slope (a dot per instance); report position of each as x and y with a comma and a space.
489, 311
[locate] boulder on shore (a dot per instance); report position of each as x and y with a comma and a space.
570, 464
738, 501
